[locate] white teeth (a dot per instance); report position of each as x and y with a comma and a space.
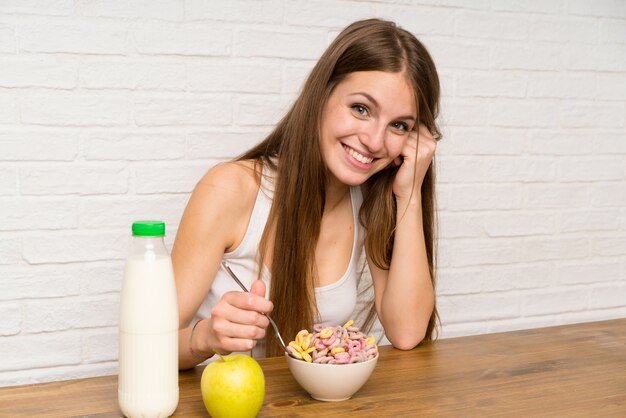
359, 157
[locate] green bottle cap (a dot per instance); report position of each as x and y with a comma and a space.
149, 228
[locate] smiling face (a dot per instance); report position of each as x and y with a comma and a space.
365, 124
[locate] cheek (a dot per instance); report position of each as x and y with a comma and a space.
395, 146
326, 132
338, 126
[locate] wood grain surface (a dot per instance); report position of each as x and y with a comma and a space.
567, 371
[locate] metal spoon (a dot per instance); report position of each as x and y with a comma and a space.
276, 332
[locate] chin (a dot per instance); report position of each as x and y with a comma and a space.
351, 176
353, 179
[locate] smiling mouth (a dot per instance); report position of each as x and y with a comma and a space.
358, 156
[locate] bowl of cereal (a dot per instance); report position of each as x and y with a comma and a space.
332, 363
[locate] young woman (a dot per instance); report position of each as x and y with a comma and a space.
349, 166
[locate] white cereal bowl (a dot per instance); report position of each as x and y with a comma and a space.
331, 382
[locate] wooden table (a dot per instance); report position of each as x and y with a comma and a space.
570, 371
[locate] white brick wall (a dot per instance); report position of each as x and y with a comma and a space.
110, 111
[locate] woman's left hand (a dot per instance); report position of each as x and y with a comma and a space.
413, 165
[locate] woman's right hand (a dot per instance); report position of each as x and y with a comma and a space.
237, 321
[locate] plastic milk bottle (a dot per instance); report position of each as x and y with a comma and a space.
148, 327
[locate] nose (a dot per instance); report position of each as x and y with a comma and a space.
374, 139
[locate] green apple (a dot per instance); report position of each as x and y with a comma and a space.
233, 386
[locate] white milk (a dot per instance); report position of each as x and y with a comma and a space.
148, 332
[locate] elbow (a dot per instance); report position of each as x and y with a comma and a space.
408, 341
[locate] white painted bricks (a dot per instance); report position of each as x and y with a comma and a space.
111, 111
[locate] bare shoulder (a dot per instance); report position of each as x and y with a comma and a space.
233, 185
235, 176
222, 201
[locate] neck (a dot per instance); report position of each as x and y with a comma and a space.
336, 192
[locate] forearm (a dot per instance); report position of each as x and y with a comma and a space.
408, 298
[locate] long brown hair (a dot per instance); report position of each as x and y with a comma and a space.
292, 152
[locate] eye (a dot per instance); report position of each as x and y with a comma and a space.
362, 110
400, 126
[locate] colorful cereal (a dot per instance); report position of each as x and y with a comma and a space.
333, 345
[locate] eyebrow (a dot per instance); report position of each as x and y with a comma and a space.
375, 103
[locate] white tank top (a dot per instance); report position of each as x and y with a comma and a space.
336, 302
